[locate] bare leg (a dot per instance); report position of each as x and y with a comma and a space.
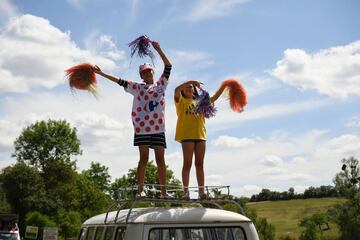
199, 165
160, 161
188, 151
144, 157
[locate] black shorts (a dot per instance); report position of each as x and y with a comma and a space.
150, 140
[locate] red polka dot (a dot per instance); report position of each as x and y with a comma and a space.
137, 119
162, 82
160, 121
147, 117
147, 129
134, 86
162, 102
137, 130
151, 122
155, 95
156, 115
142, 124
146, 97
150, 91
157, 127
133, 114
138, 109
138, 98
142, 93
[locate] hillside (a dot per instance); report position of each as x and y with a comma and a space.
285, 215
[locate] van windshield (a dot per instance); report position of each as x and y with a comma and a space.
8, 236
200, 233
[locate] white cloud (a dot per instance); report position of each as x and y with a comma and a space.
272, 171
298, 160
45, 53
246, 190
175, 156
233, 142
7, 10
206, 9
271, 160
103, 45
7, 133
353, 122
259, 85
101, 132
334, 72
293, 177
225, 118
196, 59
347, 144
308, 159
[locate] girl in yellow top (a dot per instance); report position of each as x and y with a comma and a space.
191, 132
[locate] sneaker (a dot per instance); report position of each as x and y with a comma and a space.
141, 195
186, 196
166, 196
203, 196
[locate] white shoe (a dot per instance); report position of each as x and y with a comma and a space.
141, 195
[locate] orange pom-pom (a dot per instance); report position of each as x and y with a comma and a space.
82, 77
236, 94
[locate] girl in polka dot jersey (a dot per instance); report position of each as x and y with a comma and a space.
148, 116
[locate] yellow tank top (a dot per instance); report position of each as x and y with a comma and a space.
188, 126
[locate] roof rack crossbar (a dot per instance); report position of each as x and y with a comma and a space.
127, 195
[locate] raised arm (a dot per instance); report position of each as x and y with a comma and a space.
119, 81
181, 87
157, 47
217, 93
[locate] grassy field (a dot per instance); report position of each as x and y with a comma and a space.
285, 215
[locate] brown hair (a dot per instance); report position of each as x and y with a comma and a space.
195, 93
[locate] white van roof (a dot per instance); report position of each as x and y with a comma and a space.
169, 215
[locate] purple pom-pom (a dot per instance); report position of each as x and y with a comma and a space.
203, 105
141, 45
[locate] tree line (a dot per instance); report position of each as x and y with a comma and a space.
311, 192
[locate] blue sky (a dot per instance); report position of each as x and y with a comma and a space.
298, 60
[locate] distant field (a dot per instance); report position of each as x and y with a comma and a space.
285, 215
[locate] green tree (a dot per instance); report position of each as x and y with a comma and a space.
4, 205
265, 230
347, 182
100, 175
291, 193
151, 177
313, 226
347, 217
24, 189
45, 142
347, 214
286, 238
69, 223
50, 146
92, 200
40, 220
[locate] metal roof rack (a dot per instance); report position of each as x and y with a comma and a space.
214, 197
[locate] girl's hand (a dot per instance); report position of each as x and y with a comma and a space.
156, 45
195, 83
97, 69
